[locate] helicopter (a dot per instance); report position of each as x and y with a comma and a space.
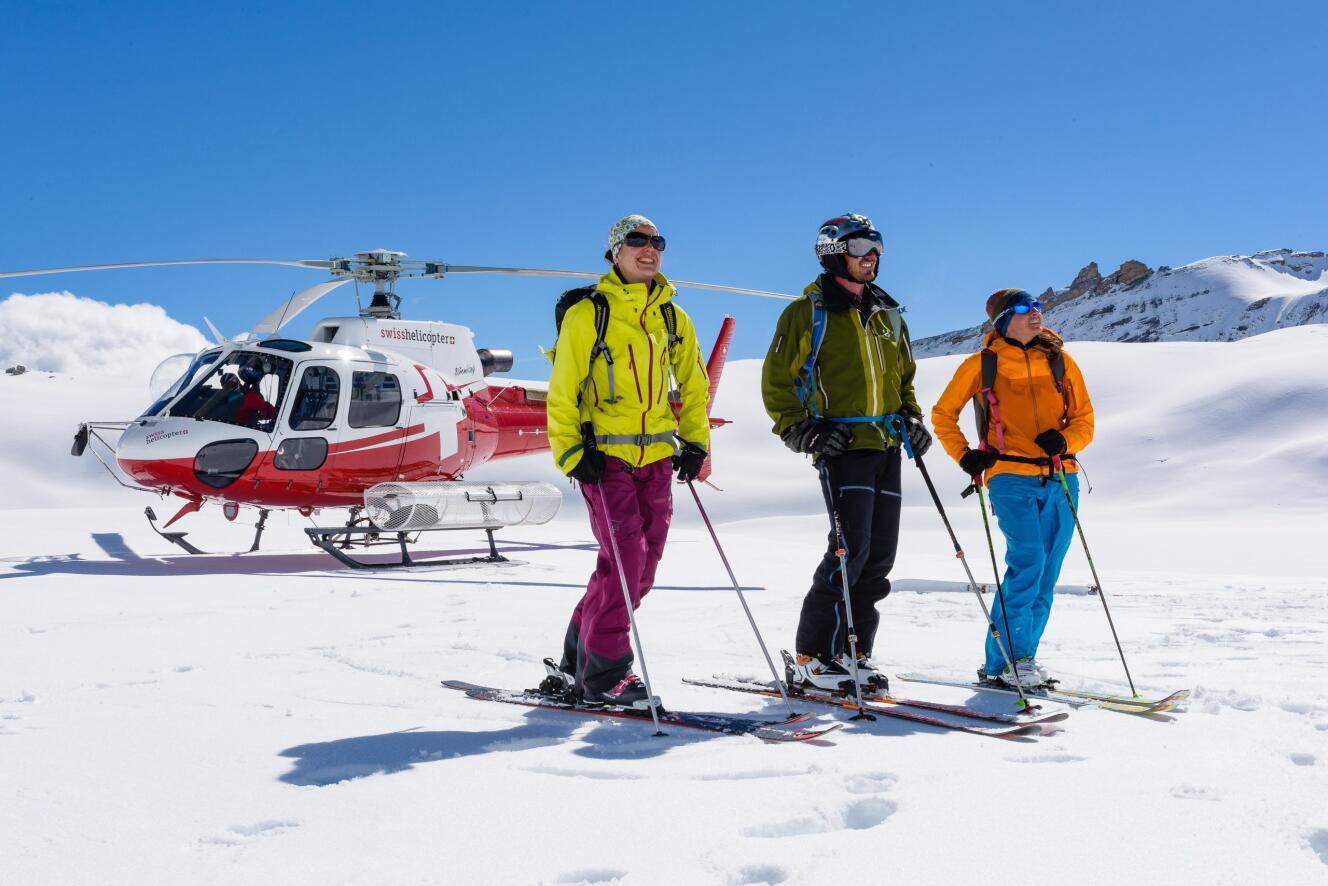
372, 413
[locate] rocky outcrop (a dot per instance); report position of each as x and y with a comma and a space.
1087, 280
1132, 272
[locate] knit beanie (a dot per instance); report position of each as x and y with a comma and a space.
1002, 300
621, 228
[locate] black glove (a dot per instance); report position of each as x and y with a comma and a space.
590, 469
1052, 442
818, 437
975, 461
688, 462
918, 437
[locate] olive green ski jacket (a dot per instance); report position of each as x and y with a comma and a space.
863, 368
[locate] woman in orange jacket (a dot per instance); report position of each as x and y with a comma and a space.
1037, 417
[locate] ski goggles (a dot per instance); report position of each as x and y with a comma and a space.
638, 239
857, 246
1022, 307
864, 244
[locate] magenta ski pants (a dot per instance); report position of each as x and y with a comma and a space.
639, 502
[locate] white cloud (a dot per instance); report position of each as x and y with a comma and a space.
63, 332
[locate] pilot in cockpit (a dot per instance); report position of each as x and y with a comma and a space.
225, 402
255, 407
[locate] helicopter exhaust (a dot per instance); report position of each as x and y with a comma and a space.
454, 504
495, 360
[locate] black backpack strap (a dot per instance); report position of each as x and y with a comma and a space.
1058, 376
601, 348
984, 399
601, 305
670, 315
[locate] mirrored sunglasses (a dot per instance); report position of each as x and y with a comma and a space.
1022, 308
638, 239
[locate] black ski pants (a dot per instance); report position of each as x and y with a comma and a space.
864, 487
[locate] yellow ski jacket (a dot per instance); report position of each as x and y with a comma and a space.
638, 408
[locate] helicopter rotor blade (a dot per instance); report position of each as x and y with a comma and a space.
294, 263
717, 288
587, 275
273, 322
216, 333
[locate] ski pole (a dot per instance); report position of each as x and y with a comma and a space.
973, 585
959, 553
842, 552
631, 617
996, 572
752, 621
1074, 512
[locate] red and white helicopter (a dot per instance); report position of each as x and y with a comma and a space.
373, 413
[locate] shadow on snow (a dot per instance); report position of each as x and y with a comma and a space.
125, 561
329, 762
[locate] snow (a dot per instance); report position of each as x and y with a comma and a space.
268, 718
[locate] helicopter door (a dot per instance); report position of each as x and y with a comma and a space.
375, 431
310, 435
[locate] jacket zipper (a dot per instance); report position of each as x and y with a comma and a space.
650, 375
873, 374
636, 377
1032, 392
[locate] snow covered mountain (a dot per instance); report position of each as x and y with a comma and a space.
1217, 299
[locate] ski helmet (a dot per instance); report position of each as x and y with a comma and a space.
251, 374
832, 240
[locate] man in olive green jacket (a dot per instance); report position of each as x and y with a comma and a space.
838, 373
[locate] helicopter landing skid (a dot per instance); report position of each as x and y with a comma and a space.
178, 538
328, 538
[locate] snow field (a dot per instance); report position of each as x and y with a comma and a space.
266, 718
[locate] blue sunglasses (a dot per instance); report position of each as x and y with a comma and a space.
1022, 308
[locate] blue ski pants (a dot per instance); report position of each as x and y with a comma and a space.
1038, 527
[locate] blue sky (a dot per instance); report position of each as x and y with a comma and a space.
994, 144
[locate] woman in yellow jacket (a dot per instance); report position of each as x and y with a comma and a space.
612, 429
1038, 415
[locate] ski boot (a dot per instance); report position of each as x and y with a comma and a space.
1030, 669
809, 672
870, 678
1026, 675
629, 692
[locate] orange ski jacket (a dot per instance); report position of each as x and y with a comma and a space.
1027, 401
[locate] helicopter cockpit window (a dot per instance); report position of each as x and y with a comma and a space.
375, 400
315, 399
195, 369
244, 389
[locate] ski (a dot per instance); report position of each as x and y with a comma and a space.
1075, 697
786, 730
1157, 704
720, 681
1022, 730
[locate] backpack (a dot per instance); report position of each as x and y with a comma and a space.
804, 383
573, 296
986, 408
